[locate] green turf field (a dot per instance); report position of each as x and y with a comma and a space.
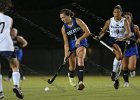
97, 88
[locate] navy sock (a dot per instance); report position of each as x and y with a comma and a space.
125, 76
71, 73
80, 73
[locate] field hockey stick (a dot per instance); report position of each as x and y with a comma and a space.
50, 81
102, 42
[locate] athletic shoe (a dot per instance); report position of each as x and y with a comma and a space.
132, 74
116, 84
81, 85
72, 80
1, 95
126, 84
18, 92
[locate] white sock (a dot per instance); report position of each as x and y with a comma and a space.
116, 65
16, 78
1, 88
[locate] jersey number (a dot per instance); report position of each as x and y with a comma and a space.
2, 25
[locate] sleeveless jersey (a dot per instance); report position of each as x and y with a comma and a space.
16, 44
6, 43
74, 31
132, 48
133, 34
116, 28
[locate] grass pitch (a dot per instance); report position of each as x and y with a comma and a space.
97, 88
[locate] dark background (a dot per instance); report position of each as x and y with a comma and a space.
39, 23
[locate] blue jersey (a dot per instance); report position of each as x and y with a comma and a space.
18, 49
132, 48
73, 33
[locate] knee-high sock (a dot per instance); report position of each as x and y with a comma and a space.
71, 73
16, 78
125, 75
80, 73
116, 65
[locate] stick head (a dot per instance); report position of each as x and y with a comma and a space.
49, 81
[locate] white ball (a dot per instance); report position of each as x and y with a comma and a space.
47, 89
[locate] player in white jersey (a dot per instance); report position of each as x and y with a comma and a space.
119, 31
7, 48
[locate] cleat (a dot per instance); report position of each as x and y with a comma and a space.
81, 85
126, 84
1, 95
132, 74
18, 92
72, 81
116, 84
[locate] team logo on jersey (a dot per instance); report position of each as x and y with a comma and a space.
117, 26
74, 30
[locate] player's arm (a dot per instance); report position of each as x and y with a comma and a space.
137, 31
127, 28
84, 28
104, 29
66, 44
22, 41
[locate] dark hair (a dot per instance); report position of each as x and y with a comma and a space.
128, 13
67, 12
118, 7
5, 5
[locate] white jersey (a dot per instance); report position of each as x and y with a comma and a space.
6, 43
116, 28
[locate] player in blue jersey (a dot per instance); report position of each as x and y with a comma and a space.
74, 32
19, 43
131, 52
